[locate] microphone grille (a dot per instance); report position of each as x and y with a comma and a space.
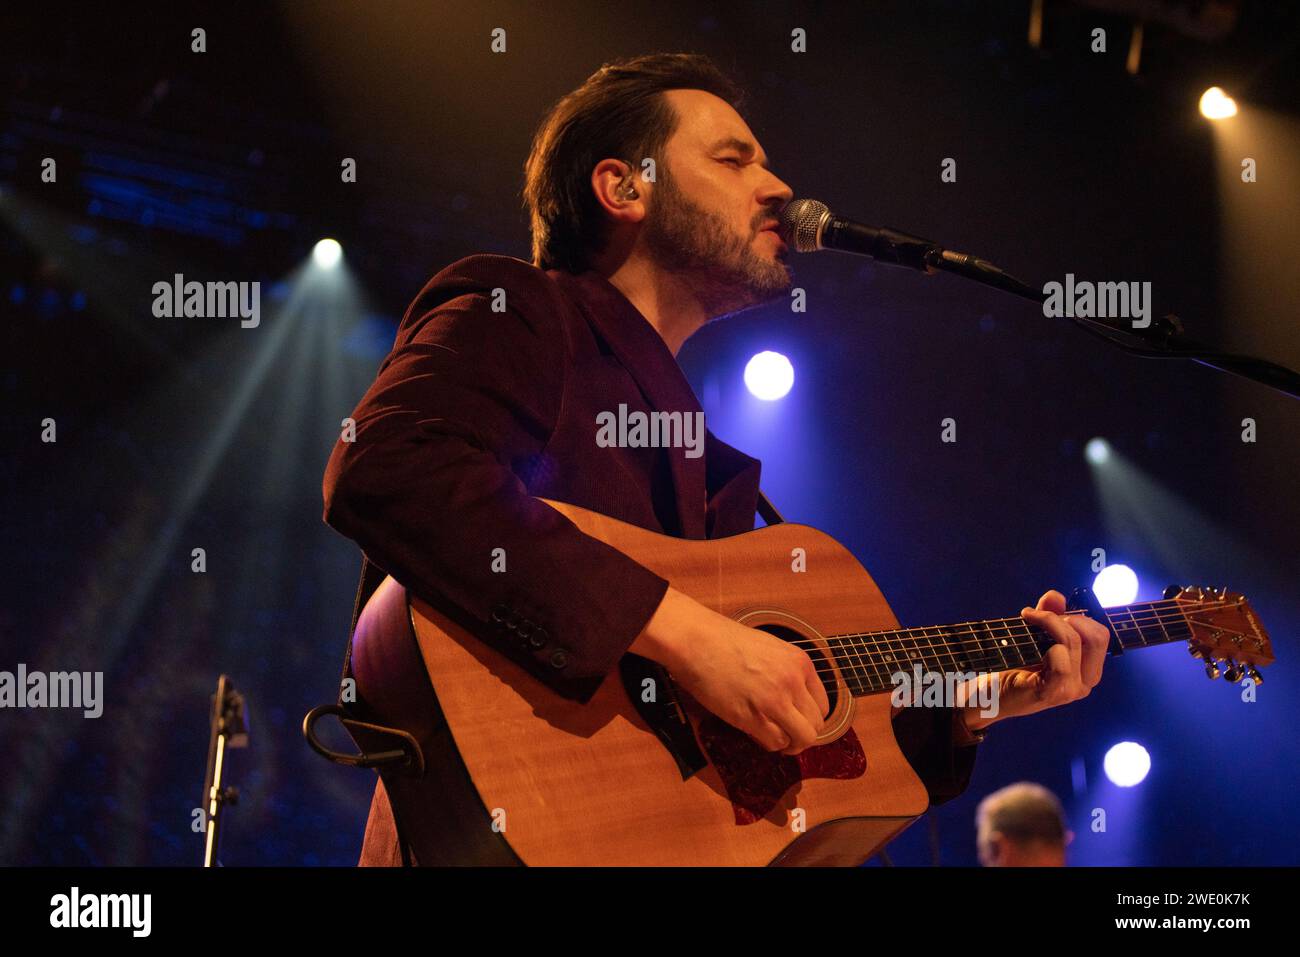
802, 222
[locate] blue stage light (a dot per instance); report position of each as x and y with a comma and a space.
769, 375
1115, 585
1127, 764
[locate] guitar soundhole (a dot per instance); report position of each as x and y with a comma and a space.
824, 670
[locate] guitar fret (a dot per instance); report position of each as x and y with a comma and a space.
947, 647
1001, 644
1126, 629
983, 660
849, 663
878, 678
865, 666
1014, 642
1031, 636
891, 662
918, 654
923, 652
870, 660
879, 664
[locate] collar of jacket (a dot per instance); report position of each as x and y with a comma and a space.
700, 489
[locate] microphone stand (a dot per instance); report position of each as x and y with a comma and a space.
1163, 339
228, 728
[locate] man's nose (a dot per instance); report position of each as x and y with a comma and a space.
777, 191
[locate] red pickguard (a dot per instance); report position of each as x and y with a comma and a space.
756, 779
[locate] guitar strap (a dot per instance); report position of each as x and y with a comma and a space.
371, 578
767, 511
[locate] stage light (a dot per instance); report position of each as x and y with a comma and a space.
769, 375
1115, 585
1097, 451
327, 253
1217, 105
1127, 764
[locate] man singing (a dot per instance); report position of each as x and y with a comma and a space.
652, 212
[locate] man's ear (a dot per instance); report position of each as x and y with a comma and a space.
618, 189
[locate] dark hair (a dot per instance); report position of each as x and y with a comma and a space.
618, 112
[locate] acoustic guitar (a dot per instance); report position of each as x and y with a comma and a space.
503, 770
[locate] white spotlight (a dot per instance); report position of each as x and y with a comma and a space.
1217, 105
769, 375
1127, 764
1115, 585
1097, 451
327, 253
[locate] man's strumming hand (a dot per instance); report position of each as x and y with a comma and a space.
754, 681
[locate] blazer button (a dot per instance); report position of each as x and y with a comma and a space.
500, 613
538, 638
524, 629
559, 658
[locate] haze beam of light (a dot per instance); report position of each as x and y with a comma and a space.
1174, 543
109, 615
1260, 232
110, 271
1143, 518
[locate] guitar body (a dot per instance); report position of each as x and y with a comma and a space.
515, 772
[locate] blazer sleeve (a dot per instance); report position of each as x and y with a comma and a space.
428, 488
927, 738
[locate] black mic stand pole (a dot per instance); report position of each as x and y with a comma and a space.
1163, 339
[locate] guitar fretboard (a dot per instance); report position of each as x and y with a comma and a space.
869, 660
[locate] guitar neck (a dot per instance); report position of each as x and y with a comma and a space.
869, 660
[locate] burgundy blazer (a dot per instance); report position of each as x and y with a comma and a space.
488, 400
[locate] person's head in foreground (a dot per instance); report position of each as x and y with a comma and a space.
1022, 825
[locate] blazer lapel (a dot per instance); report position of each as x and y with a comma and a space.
649, 362
732, 478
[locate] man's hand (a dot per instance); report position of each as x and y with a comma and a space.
752, 680
1070, 669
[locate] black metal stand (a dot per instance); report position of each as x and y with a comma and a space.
1164, 338
229, 729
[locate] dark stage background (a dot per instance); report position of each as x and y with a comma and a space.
176, 434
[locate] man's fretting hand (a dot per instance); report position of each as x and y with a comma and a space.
1071, 668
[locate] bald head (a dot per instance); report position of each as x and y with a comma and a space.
1022, 825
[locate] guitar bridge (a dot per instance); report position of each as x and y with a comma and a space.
663, 714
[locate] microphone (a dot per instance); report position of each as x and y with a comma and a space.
809, 226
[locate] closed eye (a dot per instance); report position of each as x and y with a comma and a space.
731, 159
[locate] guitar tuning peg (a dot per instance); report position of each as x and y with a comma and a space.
1211, 669
1173, 591
1234, 672
1255, 676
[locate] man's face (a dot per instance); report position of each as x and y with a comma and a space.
710, 207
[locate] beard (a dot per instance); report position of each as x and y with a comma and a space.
698, 246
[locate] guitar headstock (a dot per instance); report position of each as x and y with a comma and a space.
1224, 628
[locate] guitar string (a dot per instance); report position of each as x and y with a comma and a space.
987, 626
879, 657
1147, 617
866, 665
876, 659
